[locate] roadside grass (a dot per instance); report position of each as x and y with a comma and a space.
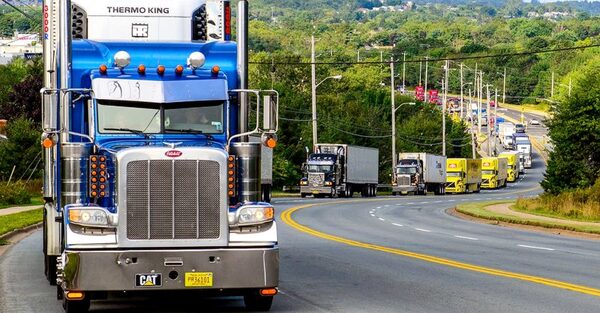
478, 210
541, 108
16, 221
33, 201
579, 205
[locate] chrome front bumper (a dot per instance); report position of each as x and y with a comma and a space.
404, 188
116, 270
316, 190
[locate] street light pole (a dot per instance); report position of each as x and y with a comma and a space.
503, 87
393, 92
446, 73
394, 155
487, 116
496, 118
314, 93
420, 73
461, 91
472, 133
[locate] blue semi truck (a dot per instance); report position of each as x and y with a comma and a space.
151, 182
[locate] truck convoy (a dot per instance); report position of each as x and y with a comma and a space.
150, 183
340, 170
493, 173
463, 175
513, 165
419, 173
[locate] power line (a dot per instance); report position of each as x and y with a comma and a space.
500, 55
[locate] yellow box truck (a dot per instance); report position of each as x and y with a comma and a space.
493, 173
463, 175
514, 166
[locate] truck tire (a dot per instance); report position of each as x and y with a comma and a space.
254, 302
79, 306
50, 268
374, 191
302, 195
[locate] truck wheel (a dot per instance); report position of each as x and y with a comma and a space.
302, 195
50, 268
79, 306
374, 191
258, 303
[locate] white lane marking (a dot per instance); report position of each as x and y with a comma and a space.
386, 206
378, 207
437, 201
382, 219
465, 237
372, 215
424, 202
451, 200
534, 247
396, 224
423, 230
410, 203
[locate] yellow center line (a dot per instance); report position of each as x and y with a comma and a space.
287, 218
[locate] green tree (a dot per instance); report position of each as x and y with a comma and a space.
21, 150
575, 133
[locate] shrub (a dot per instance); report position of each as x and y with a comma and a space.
15, 193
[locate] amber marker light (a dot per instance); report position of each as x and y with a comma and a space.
48, 143
215, 70
103, 69
160, 70
75, 295
268, 291
271, 143
142, 69
179, 70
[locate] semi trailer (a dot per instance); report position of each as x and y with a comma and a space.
463, 175
150, 181
340, 170
419, 173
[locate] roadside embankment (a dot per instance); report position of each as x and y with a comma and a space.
15, 220
502, 212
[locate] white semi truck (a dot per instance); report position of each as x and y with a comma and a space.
419, 173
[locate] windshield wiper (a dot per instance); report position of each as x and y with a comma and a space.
134, 131
185, 131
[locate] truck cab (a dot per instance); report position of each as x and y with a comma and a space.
493, 173
150, 182
419, 173
321, 175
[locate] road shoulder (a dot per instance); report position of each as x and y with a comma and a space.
499, 213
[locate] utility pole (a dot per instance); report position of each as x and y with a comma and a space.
552, 87
461, 92
420, 73
426, 69
472, 132
503, 87
570, 85
479, 102
404, 71
314, 92
487, 116
496, 119
446, 72
394, 161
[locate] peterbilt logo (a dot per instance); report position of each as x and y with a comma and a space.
173, 153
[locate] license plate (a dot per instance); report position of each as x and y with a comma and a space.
200, 279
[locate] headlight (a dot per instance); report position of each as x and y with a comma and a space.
254, 214
304, 182
328, 183
90, 217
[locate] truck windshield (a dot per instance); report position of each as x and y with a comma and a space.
313, 168
488, 172
407, 170
454, 174
205, 117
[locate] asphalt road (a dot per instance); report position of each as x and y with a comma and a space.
388, 254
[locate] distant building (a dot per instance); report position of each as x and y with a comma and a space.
20, 45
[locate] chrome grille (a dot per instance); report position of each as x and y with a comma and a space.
173, 199
316, 179
403, 180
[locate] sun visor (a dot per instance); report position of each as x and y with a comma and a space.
159, 91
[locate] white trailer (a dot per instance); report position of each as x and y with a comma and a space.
505, 132
419, 173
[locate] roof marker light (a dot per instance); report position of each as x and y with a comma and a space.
142, 69
179, 70
103, 69
215, 70
160, 70
122, 59
196, 60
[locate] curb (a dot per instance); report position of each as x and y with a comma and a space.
19, 231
